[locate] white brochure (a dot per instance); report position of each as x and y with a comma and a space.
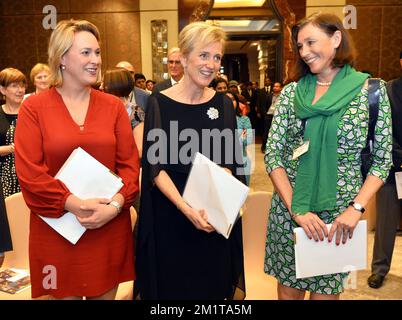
323, 257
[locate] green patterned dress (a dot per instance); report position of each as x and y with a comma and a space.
285, 135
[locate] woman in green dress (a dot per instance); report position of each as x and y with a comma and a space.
328, 106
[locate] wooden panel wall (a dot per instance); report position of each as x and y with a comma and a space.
24, 41
378, 36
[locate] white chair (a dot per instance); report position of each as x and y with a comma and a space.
259, 286
18, 218
125, 290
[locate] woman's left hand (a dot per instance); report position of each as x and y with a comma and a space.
102, 214
344, 225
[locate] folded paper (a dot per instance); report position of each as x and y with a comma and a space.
323, 257
220, 194
86, 178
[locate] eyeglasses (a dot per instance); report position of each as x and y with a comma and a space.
174, 62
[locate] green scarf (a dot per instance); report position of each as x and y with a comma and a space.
316, 179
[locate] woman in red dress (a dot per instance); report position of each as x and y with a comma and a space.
51, 125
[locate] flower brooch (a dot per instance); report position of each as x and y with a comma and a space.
213, 113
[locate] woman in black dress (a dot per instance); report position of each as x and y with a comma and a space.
12, 87
179, 254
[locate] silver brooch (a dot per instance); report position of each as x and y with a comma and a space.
213, 113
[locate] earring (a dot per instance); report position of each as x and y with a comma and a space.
63, 67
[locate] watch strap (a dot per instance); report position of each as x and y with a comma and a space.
357, 206
115, 204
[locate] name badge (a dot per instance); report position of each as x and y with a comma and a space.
398, 180
301, 150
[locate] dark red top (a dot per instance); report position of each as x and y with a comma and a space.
46, 135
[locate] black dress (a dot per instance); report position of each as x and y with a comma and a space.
9, 180
5, 237
174, 260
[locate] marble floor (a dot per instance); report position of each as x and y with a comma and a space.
392, 287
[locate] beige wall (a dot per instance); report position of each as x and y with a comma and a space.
330, 6
153, 10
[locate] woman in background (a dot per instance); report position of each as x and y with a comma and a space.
245, 133
12, 86
120, 83
221, 85
40, 77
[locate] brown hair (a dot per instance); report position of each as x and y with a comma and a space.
329, 23
61, 40
118, 81
11, 75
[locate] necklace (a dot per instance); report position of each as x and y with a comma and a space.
10, 110
325, 84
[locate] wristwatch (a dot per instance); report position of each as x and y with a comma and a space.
357, 206
116, 205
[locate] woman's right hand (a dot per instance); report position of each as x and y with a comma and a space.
198, 218
312, 225
89, 205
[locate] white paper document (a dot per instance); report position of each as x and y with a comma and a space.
86, 178
323, 257
220, 194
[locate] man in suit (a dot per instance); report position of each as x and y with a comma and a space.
175, 69
262, 104
138, 97
389, 207
276, 90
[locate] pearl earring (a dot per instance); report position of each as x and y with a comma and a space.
63, 67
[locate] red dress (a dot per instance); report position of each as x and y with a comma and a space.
46, 135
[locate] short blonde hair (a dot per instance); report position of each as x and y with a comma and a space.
199, 34
38, 68
11, 75
61, 41
173, 50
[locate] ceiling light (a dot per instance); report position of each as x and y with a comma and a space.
238, 3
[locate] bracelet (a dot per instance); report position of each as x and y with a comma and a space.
115, 204
293, 215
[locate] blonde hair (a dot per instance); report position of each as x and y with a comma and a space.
11, 75
199, 34
38, 68
61, 41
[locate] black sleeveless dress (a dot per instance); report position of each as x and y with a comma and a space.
174, 260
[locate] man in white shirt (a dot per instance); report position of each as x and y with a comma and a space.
175, 69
